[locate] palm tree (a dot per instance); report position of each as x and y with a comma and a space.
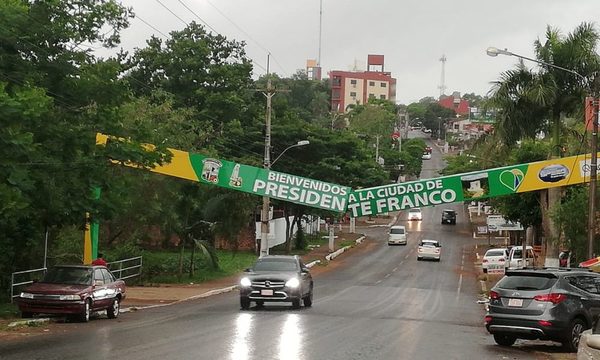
534, 101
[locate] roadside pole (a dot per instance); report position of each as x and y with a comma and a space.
331, 237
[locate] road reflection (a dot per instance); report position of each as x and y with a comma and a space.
289, 343
241, 348
414, 225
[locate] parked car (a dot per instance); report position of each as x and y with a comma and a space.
426, 156
76, 290
494, 258
397, 235
449, 217
429, 249
415, 214
547, 304
277, 278
515, 257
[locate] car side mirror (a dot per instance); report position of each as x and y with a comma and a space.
247, 270
305, 270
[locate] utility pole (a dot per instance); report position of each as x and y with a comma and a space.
264, 218
593, 178
269, 92
377, 149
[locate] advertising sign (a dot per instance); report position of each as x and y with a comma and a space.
250, 179
471, 186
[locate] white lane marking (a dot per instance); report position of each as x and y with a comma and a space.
406, 257
459, 286
394, 269
388, 275
377, 282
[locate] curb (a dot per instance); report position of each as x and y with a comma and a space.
29, 322
336, 253
313, 263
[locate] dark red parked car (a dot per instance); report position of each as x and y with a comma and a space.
76, 290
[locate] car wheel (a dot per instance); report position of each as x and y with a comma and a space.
87, 310
419, 259
26, 315
296, 304
574, 334
308, 299
504, 340
113, 311
244, 303
484, 271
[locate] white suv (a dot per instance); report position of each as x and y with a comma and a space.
397, 235
415, 214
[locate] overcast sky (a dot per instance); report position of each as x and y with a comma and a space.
412, 34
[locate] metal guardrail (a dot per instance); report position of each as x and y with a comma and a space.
127, 268
122, 269
14, 285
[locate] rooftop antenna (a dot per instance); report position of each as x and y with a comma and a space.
442, 86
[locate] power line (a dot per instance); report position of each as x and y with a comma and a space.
169, 10
246, 33
196, 15
152, 26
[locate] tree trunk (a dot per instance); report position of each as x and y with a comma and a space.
180, 273
192, 259
549, 199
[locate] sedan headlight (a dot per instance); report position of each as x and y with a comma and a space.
245, 282
292, 283
26, 295
70, 297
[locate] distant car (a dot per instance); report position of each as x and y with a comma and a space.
547, 304
515, 257
426, 156
448, 217
277, 278
76, 290
397, 235
415, 214
427, 131
494, 258
429, 249
428, 149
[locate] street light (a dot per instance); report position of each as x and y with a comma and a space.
493, 51
299, 143
264, 218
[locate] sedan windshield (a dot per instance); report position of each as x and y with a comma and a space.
275, 265
69, 276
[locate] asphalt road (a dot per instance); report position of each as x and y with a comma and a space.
381, 304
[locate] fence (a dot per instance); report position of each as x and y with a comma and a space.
23, 278
127, 268
122, 269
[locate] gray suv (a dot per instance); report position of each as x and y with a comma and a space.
547, 304
277, 278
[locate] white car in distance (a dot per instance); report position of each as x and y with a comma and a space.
415, 214
397, 235
429, 249
494, 259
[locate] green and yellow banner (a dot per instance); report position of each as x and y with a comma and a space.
250, 179
471, 186
371, 201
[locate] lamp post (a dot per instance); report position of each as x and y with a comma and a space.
265, 220
493, 51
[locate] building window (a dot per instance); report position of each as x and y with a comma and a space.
382, 97
383, 84
353, 82
371, 83
352, 94
371, 96
337, 81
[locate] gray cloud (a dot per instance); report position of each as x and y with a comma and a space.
412, 34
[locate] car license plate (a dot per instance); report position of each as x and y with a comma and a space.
515, 302
266, 292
